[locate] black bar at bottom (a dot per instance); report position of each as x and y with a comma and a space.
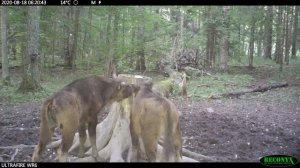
131, 165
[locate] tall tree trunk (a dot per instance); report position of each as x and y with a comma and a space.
12, 44
67, 44
281, 55
88, 53
278, 51
243, 40
259, 41
133, 45
181, 41
123, 34
251, 44
91, 42
140, 62
268, 28
213, 37
278, 37
287, 36
75, 36
100, 41
55, 24
295, 32
224, 41
30, 81
111, 65
208, 37
5, 62
212, 45
108, 44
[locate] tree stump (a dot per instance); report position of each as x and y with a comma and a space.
113, 133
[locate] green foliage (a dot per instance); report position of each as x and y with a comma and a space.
161, 26
257, 62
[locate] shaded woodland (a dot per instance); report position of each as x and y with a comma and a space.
238, 64
142, 38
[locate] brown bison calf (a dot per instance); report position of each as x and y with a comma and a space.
76, 107
152, 116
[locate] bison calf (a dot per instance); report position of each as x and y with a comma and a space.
76, 107
152, 116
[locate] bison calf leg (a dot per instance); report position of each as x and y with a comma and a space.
92, 133
67, 140
135, 148
135, 151
45, 136
82, 138
178, 144
150, 145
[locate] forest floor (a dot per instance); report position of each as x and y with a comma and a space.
229, 130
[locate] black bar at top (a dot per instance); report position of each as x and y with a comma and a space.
200, 2
149, 2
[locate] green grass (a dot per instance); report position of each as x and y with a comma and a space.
9, 94
205, 86
292, 71
201, 87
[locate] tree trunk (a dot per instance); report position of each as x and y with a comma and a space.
108, 55
268, 28
212, 45
5, 62
30, 81
67, 36
75, 36
243, 40
140, 62
116, 32
54, 39
287, 36
181, 41
224, 41
208, 39
133, 45
295, 32
251, 44
67, 43
279, 35
259, 41
11, 41
111, 65
123, 34
100, 41
91, 42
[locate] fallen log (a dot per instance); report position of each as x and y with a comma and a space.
187, 154
17, 146
197, 156
263, 89
259, 89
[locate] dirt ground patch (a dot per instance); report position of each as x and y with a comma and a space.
229, 130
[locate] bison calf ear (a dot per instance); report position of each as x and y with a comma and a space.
121, 85
136, 88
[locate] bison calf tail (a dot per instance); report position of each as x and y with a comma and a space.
45, 130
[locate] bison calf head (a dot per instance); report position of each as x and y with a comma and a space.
123, 91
